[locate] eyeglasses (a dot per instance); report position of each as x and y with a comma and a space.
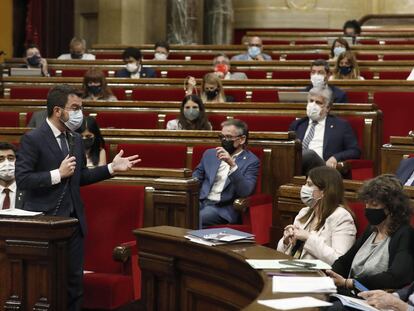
258, 45
228, 137
77, 108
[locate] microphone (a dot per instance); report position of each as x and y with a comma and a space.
71, 143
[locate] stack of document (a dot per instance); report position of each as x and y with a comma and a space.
18, 212
297, 284
355, 303
294, 303
218, 236
314, 264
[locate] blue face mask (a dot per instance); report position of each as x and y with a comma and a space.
253, 51
338, 50
345, 70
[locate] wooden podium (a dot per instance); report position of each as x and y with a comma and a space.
33, 262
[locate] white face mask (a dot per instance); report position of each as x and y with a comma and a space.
338, 50
306, 195
75, 120
318, 80
160, 56
131, 67
7, 170
313, 111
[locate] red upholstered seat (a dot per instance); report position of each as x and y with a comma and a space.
157, 155
254, 74
265, 96
101, 55
73, 72
9, 118
170, 94
360, 221
306, 56
267, 123
409, 56
398, 110
28, 93
119, 93
291, 74
239, 95
367, 75
111, 219
216, 120
360, 56
394, 75
128, 120
357, 97
183, 73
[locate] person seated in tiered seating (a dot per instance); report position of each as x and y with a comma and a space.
10, 196
93, 142
319, 75
77, 48
221, 66
326, 139
132, 58
226, 173
405, 172
95, 87
339, 46
254, 51
352, 28
381, 258
161, 50
33, 59
192, 115
346, 67
212, 90
325, 228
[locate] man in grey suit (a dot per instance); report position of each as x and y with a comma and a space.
221, 66
38, 118
10, 197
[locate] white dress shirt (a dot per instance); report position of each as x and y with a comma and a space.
12, 194
316, 144
223, 173
410, 180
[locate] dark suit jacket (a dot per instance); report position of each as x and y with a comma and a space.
144, 73
40, 153
339, 138
241, 183
405, 170
400, 265
19, 199
339, 96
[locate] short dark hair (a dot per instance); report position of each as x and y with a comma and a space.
353, 24
162, 44
132, 52
321, 62
387, 190
8, 146
240, 125
58, 97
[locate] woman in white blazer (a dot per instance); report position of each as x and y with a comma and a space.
325, 228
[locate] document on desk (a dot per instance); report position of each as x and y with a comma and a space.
294, 303
276, 264
355, 303
18, 212
298, 284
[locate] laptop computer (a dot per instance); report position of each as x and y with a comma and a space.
26, 72
293, 97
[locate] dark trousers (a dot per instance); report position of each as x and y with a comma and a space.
75, 277
310, 159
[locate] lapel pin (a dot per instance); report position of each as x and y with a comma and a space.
331, 126
244, 158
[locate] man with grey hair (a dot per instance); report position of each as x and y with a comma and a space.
326, 139
254, 51
77, 48
226, 173
221, 66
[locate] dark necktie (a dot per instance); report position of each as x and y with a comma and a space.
309, 137
6, 202
63, 144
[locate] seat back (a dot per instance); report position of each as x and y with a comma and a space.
127, 120
28, 93
357, 97
9, 119
266, 123
172, 94
112, 212
360, 220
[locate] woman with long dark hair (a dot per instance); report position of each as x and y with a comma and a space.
93, 142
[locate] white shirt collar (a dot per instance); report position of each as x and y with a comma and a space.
55, 130
321, 122
12, 187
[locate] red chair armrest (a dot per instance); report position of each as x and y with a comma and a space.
359, 163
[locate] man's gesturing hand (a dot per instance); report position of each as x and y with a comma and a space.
67, 167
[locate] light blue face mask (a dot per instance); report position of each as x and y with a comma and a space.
191, 114
338, 50
253, 51
75, 120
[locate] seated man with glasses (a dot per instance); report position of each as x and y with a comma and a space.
254, 51
225, 174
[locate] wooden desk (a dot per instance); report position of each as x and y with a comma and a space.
33, 262
180, 275
392, 153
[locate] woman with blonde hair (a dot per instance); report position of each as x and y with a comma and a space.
325, 228
212, 89
346, 67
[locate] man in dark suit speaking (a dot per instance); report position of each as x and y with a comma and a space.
326, 139
51, 167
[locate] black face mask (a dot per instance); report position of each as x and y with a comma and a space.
375, 216
228, 145
34, 61
94, 89
76, 55
88, 142
211, 94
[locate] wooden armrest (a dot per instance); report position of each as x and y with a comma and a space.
122, 253
343, 167
241, 204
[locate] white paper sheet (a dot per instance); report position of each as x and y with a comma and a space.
355, 303
298, 284
275, 264
18, 212
294, 303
